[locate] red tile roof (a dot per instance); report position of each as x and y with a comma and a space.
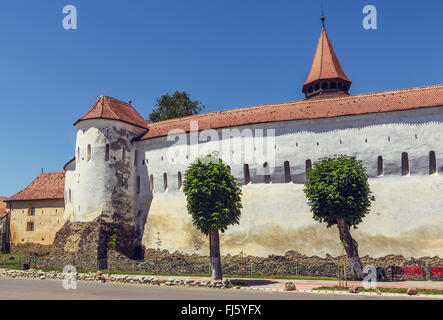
325, 64
113, 109
397, 100
3, 212
48, 185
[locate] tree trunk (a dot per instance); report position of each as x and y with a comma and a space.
351, 248
214, 253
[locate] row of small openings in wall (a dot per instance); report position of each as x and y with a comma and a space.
165, 182
366, 140
328, 85
405, 169
267, 175
107, 154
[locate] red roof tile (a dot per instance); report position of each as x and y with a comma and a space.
48, 185
397, 100
2, 207
113, 109
325, 64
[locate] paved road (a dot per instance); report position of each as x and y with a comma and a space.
53, 290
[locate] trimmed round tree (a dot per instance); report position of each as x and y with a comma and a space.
214, 201
338, 193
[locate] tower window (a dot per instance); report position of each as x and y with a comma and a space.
107, 153
333, 85
123, 154
78, 154
89, 152
317, 87
432, 163
324, 85
287, 172
247, 175
135, 158
380, 166
138, 184
70, 199
404, 164
310, 89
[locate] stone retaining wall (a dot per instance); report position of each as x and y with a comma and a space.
291, 264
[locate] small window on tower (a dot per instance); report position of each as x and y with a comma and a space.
107, 153
324, 85
317, 87
89, 152
333, 85
30, 226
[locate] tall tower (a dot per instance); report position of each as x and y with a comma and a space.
104, 184
326, 77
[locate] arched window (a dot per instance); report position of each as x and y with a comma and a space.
432, 163
229, 169
151, 183
246, 174
267, 172
308, 165
179, 178
165, 181
107, 153
78, 154
404, 164
89, 152
138, 184
287, 172
380, 166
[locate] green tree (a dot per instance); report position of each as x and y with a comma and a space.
178, 105
338, 193
214, 201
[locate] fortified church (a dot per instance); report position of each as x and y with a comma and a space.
123, 177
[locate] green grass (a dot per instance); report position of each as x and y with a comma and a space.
382, 290
12, 261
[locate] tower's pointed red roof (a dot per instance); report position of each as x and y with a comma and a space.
325, 64
109, 108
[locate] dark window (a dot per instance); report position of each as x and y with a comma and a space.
308, 165
151, 183
123, 154
138, 184
267, 172
310, 90
317, 87
179, 178
287, 172
165, 181
70, 199
380, 166
345, 88
89, 152
78, 154
333, 85
135, 157
404, 164
31, 211
246, 174
107, 153
30, 226
324, 85
432, 163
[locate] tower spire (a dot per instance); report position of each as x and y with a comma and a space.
326, 76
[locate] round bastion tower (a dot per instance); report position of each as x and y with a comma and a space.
103, 184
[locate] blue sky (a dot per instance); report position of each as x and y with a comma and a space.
227, 54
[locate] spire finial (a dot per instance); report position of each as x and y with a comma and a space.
322, 15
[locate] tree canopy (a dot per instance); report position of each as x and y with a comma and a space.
213, 195
338, 188
178, 105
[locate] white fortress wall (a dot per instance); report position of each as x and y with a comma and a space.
406, 218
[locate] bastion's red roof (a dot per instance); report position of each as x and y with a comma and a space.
48, 185
109, 108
